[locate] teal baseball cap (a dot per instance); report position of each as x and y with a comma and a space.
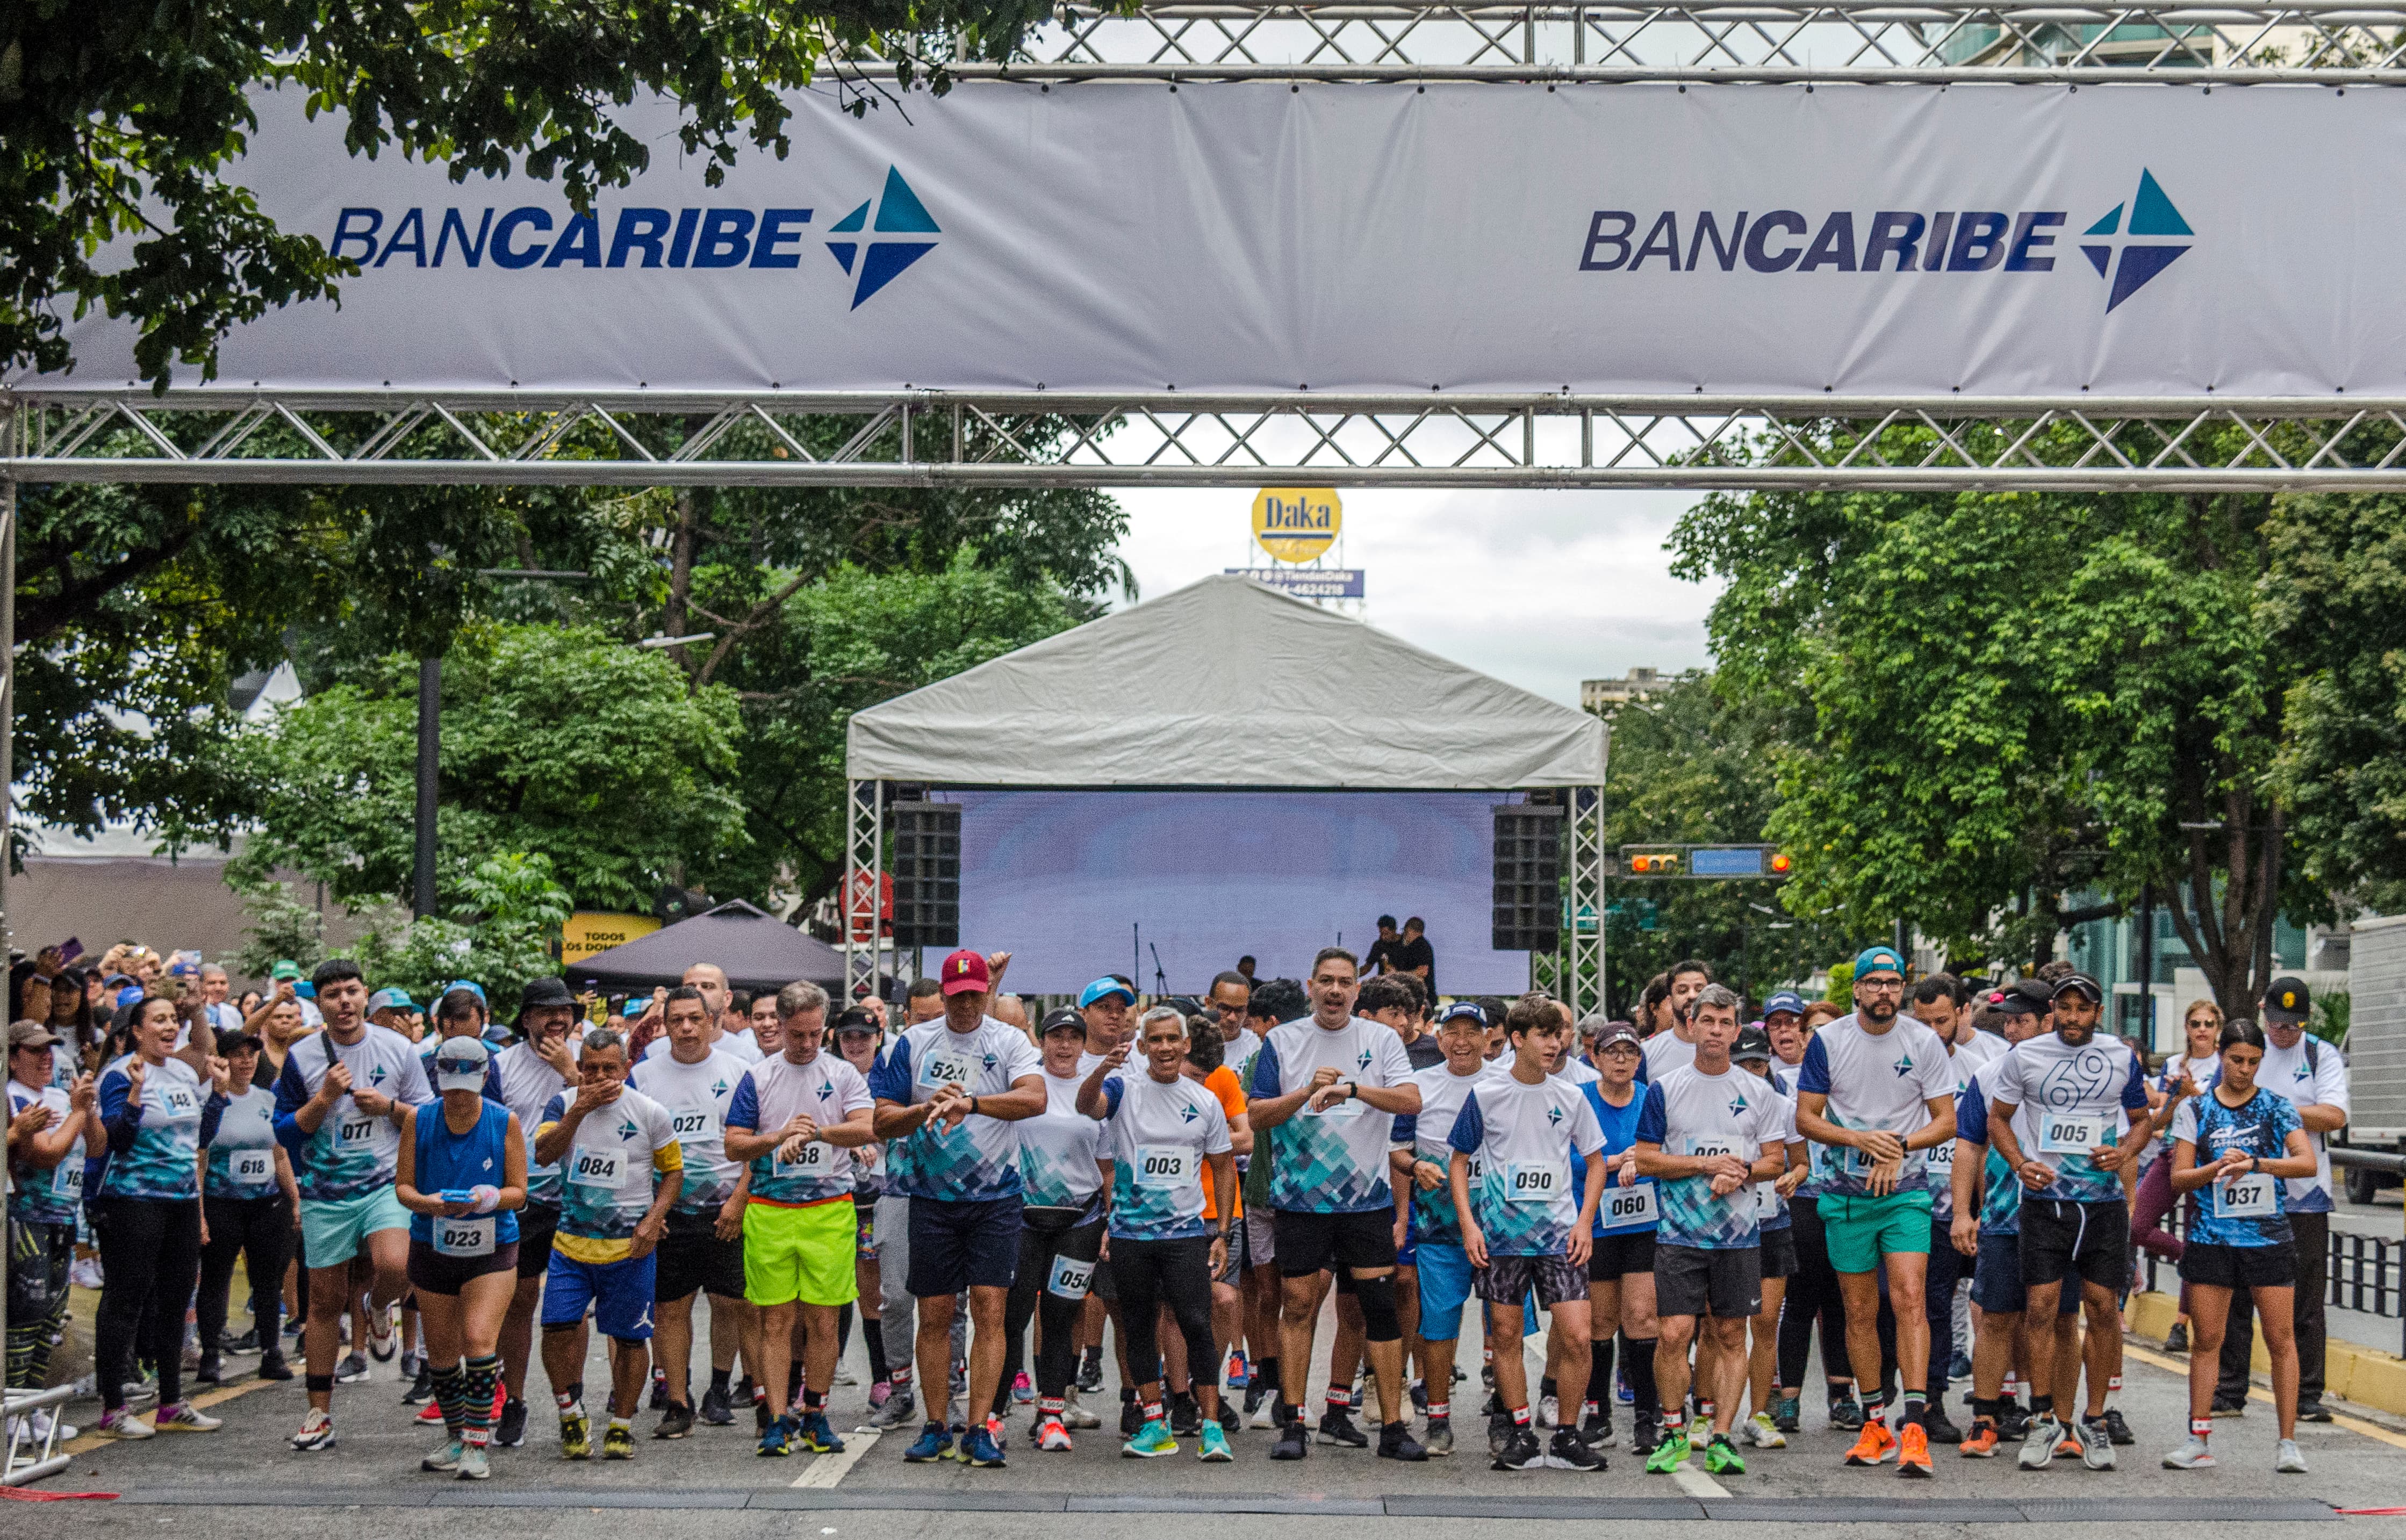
1879, 959
1103, 989
390, 999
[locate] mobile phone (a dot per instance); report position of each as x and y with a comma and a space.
69, 950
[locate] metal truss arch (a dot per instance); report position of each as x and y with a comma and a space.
920, 438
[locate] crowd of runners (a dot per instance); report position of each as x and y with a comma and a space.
1686, 1200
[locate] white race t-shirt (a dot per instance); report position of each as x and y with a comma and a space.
1875, 1081
1333, 1162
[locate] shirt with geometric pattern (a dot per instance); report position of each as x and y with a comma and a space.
977, 1158
2045, 1078
1529, 1145
1333, 1162
1690, 1112
1881, 1080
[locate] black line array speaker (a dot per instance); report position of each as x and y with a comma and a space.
927, 839
1528, 914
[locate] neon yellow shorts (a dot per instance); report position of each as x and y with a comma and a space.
803, 1254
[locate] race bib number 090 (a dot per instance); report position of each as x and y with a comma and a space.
1534, 1181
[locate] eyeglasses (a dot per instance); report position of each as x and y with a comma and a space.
1882, 984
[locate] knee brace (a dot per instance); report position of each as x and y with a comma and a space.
1377, 1295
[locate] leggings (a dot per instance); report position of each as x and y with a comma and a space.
259, 1231
2153, 1207
1812, 1292
39, 1255
1177, 1273
1057, 1354
151, 1251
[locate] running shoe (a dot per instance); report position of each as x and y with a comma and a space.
352, 1370
430, 1415
1395, 1442
676, 1422
1549, 1411
183, 1416
935, 1442
2230, 1406
2176, 1341
1131, 1414
2096, 1445
1913, 1452
272, 1365
476, 1464
984, 1447
1293, 1441
618, 1443
1337, 1426
1621, 1391
2013, 1422
2067, 1445
2289, 1459
2117, 1429
2310, 1409
317, 1431
511, 1430
1418, 1395
1152, 1441
1022, 1389
1214, 1448
1568, 1452
412, 1365
1051, 1437
1186, 1415
660, 1390
1722, 1457
1522, 1451
1237, 1372
1846, 1414
1644, 1436
1876, 1446
1090, 1370
1700, 1430
777, 1442
2038, 1445
1981, 1444
421, 1385
716, 1409
1596, 1426
1960, 1366
1077, 1416
1939, 1426
1670, 1454
576, 1436
1438, 1437
898, 1408
2191, 1456
1764, 1433
445, 1459
384, 1336
1261, 1405
816, 1436
1230, 1423
210, 1370
122, 1423
1785, 1415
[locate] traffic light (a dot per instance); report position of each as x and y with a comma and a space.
1655, 864
1693, 862
1781, 864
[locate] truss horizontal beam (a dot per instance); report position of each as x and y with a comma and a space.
1168, 439
1725, 41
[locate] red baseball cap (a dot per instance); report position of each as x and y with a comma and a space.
963, 971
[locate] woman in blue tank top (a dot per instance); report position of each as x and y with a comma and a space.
462, 1177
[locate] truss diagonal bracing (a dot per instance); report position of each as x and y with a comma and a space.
1044, 439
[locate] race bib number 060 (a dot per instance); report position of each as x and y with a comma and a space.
1627, 1208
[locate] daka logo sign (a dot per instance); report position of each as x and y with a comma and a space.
874, 244
1893, 241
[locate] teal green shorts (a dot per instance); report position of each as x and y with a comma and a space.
332, 1229
1859, 1230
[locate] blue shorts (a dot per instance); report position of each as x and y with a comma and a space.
957, 1246
333, 1229
1445, 1289
620, 1293
1997, 1278
1408, 1253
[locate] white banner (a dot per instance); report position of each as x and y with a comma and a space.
1861, 240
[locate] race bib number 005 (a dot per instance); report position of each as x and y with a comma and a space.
2069, 1133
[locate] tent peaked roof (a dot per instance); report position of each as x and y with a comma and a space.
757, 950
1226, 683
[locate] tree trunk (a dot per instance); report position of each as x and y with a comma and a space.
672, 622
2231, 941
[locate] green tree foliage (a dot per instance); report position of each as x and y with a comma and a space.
2338, 610
557, 741
1692, 764
121, 127
2007, 697
498, 933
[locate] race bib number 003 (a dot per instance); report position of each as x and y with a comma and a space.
597, 1168
1627, 1208
1163, 1165
2250, 1197
2069, 1133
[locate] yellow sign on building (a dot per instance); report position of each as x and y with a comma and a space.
1297, 523
588, 932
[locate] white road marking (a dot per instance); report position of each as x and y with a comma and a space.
828, 1469
1694, 1482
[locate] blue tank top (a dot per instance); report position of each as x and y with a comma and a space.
446, 1160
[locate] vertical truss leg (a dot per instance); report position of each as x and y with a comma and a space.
863, 861
1587, 901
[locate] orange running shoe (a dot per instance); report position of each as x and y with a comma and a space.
1877, 1445
2068, 1446
1983, 1442
1913, 1452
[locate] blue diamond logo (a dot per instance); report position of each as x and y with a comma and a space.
876, 263
2153, 219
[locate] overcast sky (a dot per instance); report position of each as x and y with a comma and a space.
1539, 588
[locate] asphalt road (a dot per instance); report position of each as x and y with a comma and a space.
245, 1481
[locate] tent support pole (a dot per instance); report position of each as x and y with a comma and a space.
863, 851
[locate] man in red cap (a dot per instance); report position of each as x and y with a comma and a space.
946, 1094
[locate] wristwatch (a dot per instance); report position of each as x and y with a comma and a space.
1353, 1092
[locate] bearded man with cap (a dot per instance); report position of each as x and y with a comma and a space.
2066, 1116
1876, 1089
2310, 1074
946, 1095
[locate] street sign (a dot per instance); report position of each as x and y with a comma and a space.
1705, 862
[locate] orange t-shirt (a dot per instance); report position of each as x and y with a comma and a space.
1221, 1082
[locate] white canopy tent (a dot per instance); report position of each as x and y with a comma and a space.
1229, 684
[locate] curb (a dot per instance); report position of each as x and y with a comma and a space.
2365, 1376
